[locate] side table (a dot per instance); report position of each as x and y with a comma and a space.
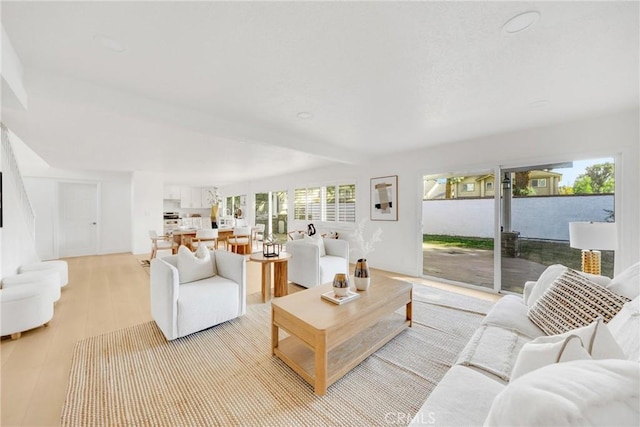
280, 276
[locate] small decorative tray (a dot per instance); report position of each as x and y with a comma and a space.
331, 296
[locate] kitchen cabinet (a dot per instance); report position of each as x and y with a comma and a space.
194, 197
172, 192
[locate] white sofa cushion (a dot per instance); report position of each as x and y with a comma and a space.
510, 312
596, 339
536, 354
462, 398
625, 328
329, 266
578, 393
627, 283
573, 301
193, 267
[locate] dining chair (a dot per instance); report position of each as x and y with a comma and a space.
258, 233
159, 243
205, 236
240, 240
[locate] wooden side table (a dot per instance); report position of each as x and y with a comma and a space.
280, 275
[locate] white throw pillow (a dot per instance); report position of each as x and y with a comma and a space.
552, 273
535, 355
625, 328
318, 241
627, 283
192, 267
578, 393
596, 338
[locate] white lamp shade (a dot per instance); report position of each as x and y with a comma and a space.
593, 235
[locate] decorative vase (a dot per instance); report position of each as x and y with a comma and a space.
361, 275
341, 285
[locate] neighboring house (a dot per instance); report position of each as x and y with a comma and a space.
543, 183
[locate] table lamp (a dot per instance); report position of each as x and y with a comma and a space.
592, 237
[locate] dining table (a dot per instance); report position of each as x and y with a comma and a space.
184, 236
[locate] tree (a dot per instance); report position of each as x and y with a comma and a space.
583, 185
521, 184
599, 177
449, 192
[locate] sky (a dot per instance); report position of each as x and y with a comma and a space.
569, 175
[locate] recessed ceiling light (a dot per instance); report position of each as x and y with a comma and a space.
304, 115
109, 43
520, 22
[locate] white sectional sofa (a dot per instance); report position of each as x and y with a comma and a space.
478, 389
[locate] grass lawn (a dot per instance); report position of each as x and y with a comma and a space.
541, 251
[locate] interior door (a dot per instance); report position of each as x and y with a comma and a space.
78, 219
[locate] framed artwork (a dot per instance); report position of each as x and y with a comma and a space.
384, 198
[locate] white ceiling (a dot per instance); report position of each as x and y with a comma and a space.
210, 91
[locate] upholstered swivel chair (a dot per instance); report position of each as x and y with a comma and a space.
183, 301
159, 243
315, 260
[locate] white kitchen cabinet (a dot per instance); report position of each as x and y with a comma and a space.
196, 198
172, 192
185, 197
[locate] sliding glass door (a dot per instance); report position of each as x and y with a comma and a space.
271, 210
534, 206
458, 227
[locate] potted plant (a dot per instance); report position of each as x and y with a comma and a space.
363, 244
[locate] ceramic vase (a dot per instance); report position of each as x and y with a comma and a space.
361, 275
341, 285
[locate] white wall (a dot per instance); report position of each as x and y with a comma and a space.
401, 249
146, 212
114, 209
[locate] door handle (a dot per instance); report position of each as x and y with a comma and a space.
94, 223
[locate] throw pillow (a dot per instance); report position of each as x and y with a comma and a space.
625, 328
627, 283
192, 267
318, 241
550, 274
535, 355
578, 393
573, 301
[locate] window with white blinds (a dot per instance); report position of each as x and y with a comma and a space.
332, 203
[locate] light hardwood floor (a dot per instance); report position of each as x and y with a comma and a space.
105, 293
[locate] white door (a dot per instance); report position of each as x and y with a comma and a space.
78, 219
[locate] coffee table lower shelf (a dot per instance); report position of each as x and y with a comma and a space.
302, 357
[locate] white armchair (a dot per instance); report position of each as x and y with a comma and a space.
308, 268
182, 309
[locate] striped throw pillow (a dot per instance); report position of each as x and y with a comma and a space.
573, 301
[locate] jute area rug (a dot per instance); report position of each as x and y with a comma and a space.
226, 375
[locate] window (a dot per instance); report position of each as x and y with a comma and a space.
330, 203
468, 187
489, 186
539, 183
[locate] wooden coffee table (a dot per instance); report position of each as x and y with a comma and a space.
327, 340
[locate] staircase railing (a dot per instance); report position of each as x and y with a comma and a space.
13, 177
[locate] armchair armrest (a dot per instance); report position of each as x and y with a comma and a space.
304, 265
164, 291
233, 267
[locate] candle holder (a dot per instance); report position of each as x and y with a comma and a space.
270, 248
